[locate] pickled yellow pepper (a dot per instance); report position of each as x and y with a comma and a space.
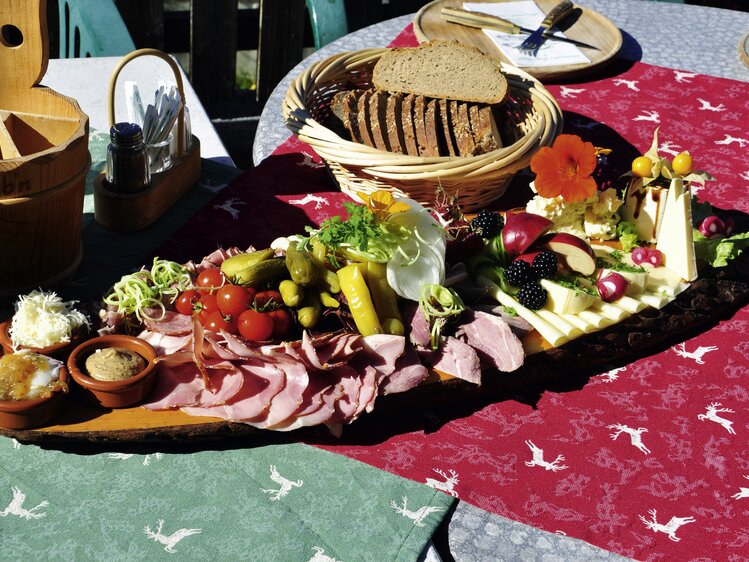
354, 288
384, 298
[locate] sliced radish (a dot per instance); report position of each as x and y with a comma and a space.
712, 226
611, 286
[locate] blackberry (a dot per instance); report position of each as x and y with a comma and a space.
532, 295
487, 223
519, 273
545, 264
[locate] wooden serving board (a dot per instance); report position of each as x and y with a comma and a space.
585, 25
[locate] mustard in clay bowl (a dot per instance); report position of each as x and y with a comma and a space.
27, 413
114, 371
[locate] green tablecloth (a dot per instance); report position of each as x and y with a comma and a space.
278, 502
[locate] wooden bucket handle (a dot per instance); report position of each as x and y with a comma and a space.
180, 87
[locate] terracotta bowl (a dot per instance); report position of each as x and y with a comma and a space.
25, 414
58, 351
114, 394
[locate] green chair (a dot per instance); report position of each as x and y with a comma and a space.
328, 19
92, 28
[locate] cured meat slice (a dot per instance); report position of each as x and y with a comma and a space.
322, 415
409, 373
166, 345
326, 353
172, 324
455, 358
383, 351
418, 332
176, 386
492, 338
225, 385
289, 399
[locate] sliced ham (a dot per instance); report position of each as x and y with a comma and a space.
418, 327
492, 338
383, 351
519, 325
408, 373
171, 324
176, 386
166, 345
455, 358
287, 402
327, 353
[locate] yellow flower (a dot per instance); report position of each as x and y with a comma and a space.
383, 204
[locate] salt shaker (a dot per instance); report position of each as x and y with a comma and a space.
128, 170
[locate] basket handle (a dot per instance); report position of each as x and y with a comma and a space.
180, 87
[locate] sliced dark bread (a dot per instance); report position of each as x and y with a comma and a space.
362, 117
337, 118
407, 125
419, 115
432, 143
394, 121
484, 129
377, 121
441, 69
447, 128
461, 128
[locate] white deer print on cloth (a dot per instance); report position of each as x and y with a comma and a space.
635, 435
538, 459
320, 556
612, 375
683, 77
712, 414
631, 84
681, 350
417, 516
146, 459
308, 162
447, 485
15, 507
309, 198
728, 139
286, 485
228, 206
169, 541
743, 492
653, 116
567, 92
669, 148
669, 528
707, 106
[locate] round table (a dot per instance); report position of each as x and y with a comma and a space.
710, 46
474, 534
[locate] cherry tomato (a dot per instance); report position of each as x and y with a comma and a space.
185, 303
642, 166
262, 298
234, 299
208, 304
254, 325
682, 164
210, 280
281, 323
216, 321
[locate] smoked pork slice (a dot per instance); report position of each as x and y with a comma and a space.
455, 358
172, 324
176, 386
409, 373
492, 338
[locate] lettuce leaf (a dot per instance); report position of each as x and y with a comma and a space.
717, 251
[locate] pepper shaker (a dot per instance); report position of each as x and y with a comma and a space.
128, 170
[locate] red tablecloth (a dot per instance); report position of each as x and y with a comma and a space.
650, 460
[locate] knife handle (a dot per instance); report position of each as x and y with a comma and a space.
479, 19
557, 14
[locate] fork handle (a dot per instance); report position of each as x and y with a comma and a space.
557, 14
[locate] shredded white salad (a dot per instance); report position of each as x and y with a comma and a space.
43, 319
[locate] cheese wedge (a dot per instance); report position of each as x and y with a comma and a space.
675, 239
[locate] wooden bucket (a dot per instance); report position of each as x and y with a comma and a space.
44, 159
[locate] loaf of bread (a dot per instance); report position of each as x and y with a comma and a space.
441, 69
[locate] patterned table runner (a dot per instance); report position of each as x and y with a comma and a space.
650, 459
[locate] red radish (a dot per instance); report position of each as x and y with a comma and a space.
647, 256
654, 257
730, 226
521, 230
611, 286
712, 226
639, 255
572, 252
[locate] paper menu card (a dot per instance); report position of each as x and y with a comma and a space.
526, 13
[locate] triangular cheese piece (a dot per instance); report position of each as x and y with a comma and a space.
675, 240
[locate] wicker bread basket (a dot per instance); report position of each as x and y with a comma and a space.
530, 118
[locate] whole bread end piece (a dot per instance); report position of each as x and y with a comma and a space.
442, 69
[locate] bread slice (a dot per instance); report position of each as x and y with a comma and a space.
394, 120
447, 128
461, 128
486, 136
377, 121
407, 125
433, 127
337, 113
363, 120
442, 69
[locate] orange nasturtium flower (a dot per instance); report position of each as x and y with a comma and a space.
565, 169
383, 204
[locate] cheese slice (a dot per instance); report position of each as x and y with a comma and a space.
675, 239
